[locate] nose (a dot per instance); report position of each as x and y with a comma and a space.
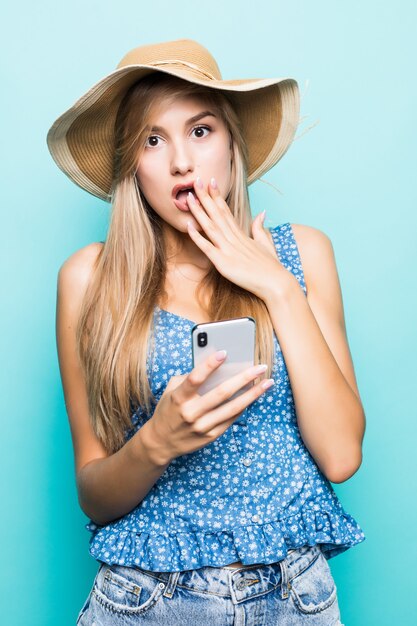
181, 158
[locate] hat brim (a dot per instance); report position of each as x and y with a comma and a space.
81, 140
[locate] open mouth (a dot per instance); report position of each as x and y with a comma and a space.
183, 193
180, 199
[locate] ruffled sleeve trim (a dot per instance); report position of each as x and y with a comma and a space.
260, 543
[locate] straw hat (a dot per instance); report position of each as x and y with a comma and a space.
81, 140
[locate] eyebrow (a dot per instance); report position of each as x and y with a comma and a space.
192, 120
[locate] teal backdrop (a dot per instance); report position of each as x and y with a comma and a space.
352, 175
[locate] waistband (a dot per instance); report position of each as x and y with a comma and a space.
237, 583
257, 565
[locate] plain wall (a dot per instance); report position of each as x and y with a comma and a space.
352, 175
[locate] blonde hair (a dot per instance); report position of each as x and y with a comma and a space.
114, 332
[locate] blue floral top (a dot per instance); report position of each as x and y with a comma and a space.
251, 495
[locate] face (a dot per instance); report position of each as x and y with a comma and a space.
187, 138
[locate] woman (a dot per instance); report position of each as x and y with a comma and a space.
200, 508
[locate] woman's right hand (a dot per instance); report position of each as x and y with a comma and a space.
184, 421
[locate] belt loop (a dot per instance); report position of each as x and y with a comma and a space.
285, 588
171, 584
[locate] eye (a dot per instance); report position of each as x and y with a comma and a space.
152, 141
201, 131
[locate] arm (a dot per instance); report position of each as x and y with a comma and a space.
312, 335
109, 486
311, 330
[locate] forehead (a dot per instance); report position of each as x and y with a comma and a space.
175, 106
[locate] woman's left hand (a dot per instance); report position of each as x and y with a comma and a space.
250, 263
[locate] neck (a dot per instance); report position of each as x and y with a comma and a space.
181, 249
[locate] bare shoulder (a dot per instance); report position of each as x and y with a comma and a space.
311, 240
76, 271
320, 271
316, 253
82, 262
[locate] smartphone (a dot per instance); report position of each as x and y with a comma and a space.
237, 337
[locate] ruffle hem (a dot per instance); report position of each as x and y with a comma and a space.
266, 543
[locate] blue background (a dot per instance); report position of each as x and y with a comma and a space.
352, 175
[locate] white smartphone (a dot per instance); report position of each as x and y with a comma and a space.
237, 337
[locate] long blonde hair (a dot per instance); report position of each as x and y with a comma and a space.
115, 325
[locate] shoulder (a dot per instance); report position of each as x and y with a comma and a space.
83, 260
310, 240
76, 271
316, 252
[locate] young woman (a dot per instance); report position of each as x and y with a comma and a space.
201, 508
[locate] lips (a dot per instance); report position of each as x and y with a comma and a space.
185, 187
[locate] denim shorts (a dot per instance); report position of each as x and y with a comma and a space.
297, 590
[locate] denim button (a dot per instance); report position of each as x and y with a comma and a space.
247, 462
161, 586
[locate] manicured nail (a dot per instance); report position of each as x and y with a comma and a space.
268, 383
199, 182
263, 214
260, 368
191, 196
213, 183
221, 355
190, 226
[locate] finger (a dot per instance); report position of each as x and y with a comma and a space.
198, 375
216, 419
259, 232
213, 203
199, 405
204, 220
258, 223
214, 189
214, 193
203, 196
222, 206
204, 245
175, 381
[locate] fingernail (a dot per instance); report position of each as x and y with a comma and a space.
191, 197
268, 383
221, 355
260, 368
199, 182
263, 214
213, 183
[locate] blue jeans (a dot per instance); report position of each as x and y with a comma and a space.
298, 590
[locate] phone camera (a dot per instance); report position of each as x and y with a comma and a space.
202, 339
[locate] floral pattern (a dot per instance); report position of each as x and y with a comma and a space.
251, 495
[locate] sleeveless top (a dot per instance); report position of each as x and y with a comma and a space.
251, 495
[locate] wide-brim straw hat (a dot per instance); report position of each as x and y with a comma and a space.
82, 142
